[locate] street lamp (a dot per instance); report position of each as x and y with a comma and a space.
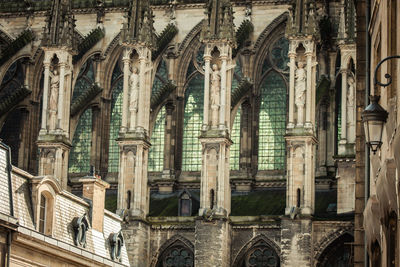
374, 115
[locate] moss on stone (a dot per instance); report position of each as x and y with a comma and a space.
267, 202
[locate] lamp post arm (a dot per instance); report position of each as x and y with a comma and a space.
387, 75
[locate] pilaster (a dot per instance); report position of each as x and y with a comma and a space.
53, 140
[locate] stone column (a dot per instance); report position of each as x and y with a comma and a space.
344, 106
43, 129
60, 110
168, 169
222, 125
54, 146
292, 66
125, 96
133, 190
207, 59
309, 90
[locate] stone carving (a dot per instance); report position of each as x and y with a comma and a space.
300, 91
53, 100
134, 92
215, 94
350, 100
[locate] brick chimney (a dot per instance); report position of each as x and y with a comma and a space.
95, 189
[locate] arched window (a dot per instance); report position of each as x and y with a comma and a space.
11, 89
235, 137
45, 213
156, 153
176, 254
115, 120
338, 253
79, 159
271, 142
272, 114
193, 119
258, 253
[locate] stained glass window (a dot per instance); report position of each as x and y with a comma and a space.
13, 79
263, 256
193, 119
178, 256
271, 143
115, 120
79, 158
156, 153
85, 79
235, 147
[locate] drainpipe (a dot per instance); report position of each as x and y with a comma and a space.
367, 93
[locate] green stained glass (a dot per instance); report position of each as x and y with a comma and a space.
85, 79
193, 119
157, 85
271, 142
79, 158
162, 70
156, 153
235, 147
115, 124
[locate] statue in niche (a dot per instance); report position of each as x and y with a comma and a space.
300, 90
53, 99
350, 99
134, 93
215, 94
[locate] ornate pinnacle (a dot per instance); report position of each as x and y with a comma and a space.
218, 23
139, 28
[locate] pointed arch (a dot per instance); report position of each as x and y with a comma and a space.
177, 242
336, 251
258, 242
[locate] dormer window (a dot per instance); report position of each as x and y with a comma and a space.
185, 203
43, 213
45, 220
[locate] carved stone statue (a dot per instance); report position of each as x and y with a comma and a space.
215, 94
215, 85
300, 85
350, 99
53, 99
134, 93
300, 90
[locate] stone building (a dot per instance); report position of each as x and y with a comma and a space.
381, 214
225, 129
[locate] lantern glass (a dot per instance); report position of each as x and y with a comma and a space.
373, 133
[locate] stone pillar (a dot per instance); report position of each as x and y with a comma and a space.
168, 173
133, 190
296, 242
292, 66
212, 230
46, 65
137, 241
345, 175
207, 59
125, 96
53, 141
212, 244
215, 187
301, 140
